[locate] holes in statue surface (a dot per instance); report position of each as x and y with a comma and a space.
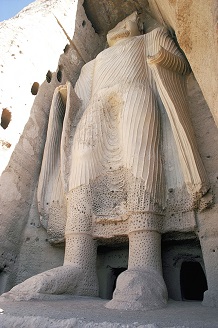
192, 281
35, 88
5, 118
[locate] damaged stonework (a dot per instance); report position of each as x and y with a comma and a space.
21, 231
113, 195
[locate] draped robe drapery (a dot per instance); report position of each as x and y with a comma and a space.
120, 147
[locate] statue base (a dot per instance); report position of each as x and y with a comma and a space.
210, 298
139, 290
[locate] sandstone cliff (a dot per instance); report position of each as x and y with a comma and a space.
36, 56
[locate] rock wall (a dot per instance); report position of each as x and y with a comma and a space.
50, 60
195, 26
26, 57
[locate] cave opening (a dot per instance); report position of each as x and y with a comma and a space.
35, 88
193, 282
5, 118
115, 272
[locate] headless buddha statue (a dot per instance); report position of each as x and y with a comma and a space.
111, 168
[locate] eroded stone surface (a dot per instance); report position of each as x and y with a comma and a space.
116, 92
20, 178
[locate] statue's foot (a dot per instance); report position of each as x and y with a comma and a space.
61, 280
139, 290
210, 298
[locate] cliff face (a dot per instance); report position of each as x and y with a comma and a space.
36, 56
31, 44
195, 26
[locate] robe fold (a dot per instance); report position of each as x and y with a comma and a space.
129, 156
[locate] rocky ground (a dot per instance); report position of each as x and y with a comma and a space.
70, 312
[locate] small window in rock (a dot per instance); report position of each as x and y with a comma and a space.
35, 88
59, 75
84, 23
5, 118
48, 76
67, 47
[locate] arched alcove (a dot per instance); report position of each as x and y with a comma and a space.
5, 118
35, 88
67, 47
193, 282
48, 76
59, 73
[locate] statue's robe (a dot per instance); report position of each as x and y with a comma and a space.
126, 154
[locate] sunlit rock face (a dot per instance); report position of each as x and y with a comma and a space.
37, 56
195, 25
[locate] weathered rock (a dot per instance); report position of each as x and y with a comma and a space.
138, 290
40, 56
29, 59
195, 26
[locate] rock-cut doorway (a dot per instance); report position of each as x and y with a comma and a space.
192, 281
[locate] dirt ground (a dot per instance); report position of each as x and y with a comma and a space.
71, 311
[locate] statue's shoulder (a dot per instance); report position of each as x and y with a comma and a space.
89, 64
88, 67
158, 31
156, 37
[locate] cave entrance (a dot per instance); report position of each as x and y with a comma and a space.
115, 272
192, 281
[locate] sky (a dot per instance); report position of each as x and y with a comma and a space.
9, 8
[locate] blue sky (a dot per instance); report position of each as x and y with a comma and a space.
9, 8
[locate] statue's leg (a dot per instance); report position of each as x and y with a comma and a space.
145, 251
78, 274
81, 252
81, 248
141, 286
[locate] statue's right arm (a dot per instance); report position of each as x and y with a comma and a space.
170, 61
163, 51
169, 67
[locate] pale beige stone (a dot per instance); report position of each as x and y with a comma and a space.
23, 60
102, 165
25, 250
195, 26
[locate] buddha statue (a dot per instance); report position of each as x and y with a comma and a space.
105, 175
